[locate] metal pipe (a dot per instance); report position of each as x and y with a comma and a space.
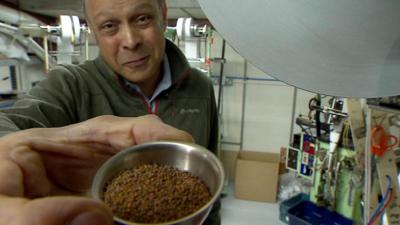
293, 115
251, 78
243, 106
368, 169
230, 143
8, 27
87, 46
46, 55
234, 77
13, 78
221, 75
27, 42
13, 16
20, 80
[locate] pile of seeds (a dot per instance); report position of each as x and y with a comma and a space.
155, 194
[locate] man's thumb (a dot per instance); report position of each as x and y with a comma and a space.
54, 211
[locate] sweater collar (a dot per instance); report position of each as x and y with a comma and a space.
164, 84
178, 63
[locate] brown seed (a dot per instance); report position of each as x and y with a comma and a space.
154, 193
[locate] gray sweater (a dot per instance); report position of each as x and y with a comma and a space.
75, 93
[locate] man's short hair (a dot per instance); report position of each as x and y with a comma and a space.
83, 6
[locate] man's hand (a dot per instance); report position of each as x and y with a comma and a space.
52, 161
53, 211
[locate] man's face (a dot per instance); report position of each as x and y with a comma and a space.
130, 35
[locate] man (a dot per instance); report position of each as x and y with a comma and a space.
59, 134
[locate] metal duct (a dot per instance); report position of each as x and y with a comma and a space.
13, 16
27, 42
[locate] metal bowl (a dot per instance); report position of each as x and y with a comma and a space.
183, 156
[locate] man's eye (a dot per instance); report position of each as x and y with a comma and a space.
108, 27
143, 20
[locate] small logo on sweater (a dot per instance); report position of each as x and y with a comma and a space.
189, 111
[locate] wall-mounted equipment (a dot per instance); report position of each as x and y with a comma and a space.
326, 157
195, 40
65, 36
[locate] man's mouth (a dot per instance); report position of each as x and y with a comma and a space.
137, 62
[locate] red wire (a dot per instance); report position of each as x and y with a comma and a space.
384, 207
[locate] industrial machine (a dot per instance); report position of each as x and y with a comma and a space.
345, 49
68, 34
59, 41
325, 155
334, 48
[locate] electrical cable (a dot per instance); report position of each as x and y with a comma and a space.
384, 198
383, 209
382, 205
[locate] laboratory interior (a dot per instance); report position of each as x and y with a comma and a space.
307, 95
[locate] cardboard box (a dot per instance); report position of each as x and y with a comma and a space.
228, 159
256, 176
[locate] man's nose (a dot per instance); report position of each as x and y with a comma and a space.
131, 38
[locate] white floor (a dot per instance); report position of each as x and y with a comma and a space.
241, 212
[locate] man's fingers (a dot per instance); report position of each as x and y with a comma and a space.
107, 130
67, 210
110, 134
11, 179
29, 163
53, 211
123, 132
71, 167
180, 136
151, 128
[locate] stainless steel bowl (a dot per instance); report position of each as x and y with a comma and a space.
183, 156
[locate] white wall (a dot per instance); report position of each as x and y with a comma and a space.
268, 105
